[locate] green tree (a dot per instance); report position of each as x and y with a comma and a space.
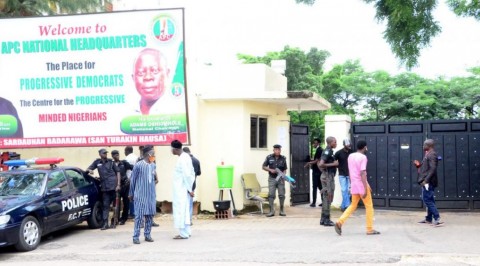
343, 86
303, 70
465, 8
410, 25
25, 8
374, 96
465, 94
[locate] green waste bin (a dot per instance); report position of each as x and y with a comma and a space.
225, 176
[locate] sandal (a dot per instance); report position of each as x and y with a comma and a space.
179, 237
373, 232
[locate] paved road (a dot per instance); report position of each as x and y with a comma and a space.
297, 239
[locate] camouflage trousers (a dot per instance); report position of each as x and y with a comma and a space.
328, 188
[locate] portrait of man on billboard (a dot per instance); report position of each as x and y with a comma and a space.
150, 76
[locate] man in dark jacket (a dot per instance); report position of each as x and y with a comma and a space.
123, 166
109, 181
316, 173
427, 178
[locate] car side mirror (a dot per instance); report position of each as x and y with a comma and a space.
54, 192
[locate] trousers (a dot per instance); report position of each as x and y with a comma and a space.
316, 184
345, 185
429, 200
138, 222
328, 187
273, 185
107, 198
367, 201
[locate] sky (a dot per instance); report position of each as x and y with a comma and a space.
216, 30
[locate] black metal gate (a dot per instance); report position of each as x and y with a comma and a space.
393, 146
299, 146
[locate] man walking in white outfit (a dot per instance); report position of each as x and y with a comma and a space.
183, 179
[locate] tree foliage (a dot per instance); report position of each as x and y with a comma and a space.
464, 8
303, 69
26, 8
410, 25
373, 96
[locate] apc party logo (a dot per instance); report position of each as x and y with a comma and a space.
164, 28
177, 90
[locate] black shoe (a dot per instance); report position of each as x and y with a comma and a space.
270, 214
122, 222
154, 224
149, 239
136, 241
320, 205
104, 227
328, 223
322, 221
312, 205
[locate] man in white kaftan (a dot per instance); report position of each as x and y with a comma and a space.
183, 178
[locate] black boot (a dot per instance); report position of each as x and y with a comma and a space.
272, 209
327, 221
282, 212
322, 220
105, 226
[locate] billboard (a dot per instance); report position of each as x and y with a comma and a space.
104, 79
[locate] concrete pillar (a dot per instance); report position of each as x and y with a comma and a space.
337, 126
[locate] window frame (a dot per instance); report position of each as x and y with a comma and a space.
65, 188
258, 133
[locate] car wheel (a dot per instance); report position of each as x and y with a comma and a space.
95, 220
29, 234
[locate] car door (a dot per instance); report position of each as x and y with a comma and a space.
57, 204
85, 194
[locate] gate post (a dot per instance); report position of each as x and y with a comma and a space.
338, 126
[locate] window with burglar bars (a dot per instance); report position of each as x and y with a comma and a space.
258, 132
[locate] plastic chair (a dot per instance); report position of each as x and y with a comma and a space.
253, 190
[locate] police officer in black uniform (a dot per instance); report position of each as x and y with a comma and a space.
328, 166
272, 162
109, 181
123, 166
316, 173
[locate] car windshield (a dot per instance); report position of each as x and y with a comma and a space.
21, 183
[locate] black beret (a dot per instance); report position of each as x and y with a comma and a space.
277, 146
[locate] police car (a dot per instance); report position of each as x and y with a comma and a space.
37, 201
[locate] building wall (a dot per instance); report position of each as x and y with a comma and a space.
278, 132
338, 126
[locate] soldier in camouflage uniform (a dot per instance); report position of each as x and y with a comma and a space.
328, 166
